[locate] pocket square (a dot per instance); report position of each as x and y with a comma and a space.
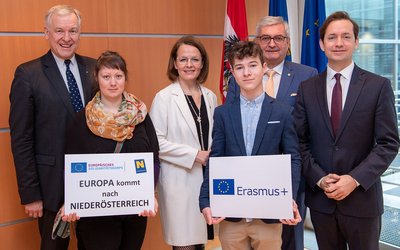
293, 94
273, 122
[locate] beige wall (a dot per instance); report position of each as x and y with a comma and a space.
142, 31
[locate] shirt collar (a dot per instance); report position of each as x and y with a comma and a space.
278, 68
258, 100
60, 62
346, 72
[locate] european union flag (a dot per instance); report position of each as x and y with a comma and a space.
224, 186
311, 53
279, 8
78, 167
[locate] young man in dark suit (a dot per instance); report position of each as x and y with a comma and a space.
273, 36
243, 127
45, 94
347, 127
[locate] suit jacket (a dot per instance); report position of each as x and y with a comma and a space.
270, 138
39, 111
366, 143
180, 176
292, 75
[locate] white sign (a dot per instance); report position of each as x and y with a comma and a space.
108, 184
251, 187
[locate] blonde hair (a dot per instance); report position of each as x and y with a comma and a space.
272, 20
61, 10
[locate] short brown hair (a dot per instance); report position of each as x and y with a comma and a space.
110, 60
244, 49
188, 40
336, 16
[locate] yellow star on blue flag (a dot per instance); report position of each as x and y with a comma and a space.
311, 53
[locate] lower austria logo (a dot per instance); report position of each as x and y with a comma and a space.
224, 186
140, 166
78, 167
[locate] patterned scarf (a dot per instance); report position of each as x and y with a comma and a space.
118, 126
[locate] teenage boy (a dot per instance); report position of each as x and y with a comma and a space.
253, 124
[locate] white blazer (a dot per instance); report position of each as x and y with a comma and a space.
180, 177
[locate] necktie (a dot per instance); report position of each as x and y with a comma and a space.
73, 89
269, 88
336, 105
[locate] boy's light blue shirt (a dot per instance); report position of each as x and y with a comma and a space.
250, 112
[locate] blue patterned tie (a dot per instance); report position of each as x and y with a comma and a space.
76, 99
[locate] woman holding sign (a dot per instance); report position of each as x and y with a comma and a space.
113, 121
182, 114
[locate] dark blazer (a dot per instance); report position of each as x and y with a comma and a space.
39, 112
367, 141
271, 138
292, 75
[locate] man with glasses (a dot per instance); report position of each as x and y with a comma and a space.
280, 81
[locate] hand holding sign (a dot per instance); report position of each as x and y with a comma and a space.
208, 217
150, 213
296, 216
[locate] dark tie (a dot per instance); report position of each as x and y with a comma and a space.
76, 99
336, 105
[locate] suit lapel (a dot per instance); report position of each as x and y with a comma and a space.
286, 82
85, 78
55, 78
236, 121
180, 100
262, 124
355, 86
322, 100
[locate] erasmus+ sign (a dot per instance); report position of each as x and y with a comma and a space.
251, 187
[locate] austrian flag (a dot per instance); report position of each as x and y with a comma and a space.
235, 30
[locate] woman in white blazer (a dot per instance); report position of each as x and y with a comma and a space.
182, 116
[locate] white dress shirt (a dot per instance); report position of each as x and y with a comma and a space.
73, 66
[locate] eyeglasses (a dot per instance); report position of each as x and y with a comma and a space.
267, 39
184, 60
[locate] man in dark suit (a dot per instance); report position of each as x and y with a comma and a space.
346, 122
41, 106
273, 36
253, 124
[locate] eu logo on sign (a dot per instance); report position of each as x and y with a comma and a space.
78, 167
224, 186
140, 166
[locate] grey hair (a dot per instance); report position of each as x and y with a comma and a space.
61, 10
272, 20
